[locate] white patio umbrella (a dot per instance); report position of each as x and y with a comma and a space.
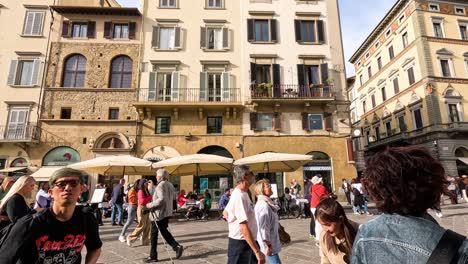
115, 165
274, 162
44, 173
197, 164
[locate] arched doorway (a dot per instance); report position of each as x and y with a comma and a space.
217, 183
21, 164
462, 159
159, 153
320, 164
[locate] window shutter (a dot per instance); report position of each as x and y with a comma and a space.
152, 87
324, 72
305, 121
226, 89
321, 31
175, 86
108, 30
203, 78
277, 121
252, 72
12, 73
91, 29
37, 24
349, 143
225, 38
66, 32
297, 28
28, 22
177, 40
251, 30
202, 37
132, 30
155, 39
273, 35
328, 121
276, 74
36, 72
301, 75
253, 121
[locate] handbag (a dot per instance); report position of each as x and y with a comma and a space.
283, 235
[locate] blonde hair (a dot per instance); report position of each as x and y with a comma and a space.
17, 187
6, 181
259, 186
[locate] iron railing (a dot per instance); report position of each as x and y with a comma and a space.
291, 91
19, 133
189, 95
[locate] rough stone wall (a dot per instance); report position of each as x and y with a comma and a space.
98, 56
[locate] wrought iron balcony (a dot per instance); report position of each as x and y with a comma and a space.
291, 91
189, 95
19, 133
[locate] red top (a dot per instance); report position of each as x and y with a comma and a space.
132, 197
143, 199
317, 191
181, 200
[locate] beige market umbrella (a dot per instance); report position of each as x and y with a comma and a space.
115, 165
197, 164
44, 173
274, 162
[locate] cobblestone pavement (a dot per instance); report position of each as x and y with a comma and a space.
206, 241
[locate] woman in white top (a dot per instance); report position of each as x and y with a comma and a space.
267, 222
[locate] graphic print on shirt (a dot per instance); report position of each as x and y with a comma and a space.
66, 251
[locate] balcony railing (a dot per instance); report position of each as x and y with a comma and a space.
19, 133
189, 95
291, 91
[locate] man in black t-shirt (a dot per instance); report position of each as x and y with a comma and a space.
59, 234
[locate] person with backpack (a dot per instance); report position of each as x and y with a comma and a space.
58, 234
405, 182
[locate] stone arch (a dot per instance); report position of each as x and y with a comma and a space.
112, 140
451, 92
159, 153
19, 163
121, 70
461, 152
216, 150
321, 163
61, 156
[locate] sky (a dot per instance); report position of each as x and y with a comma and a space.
358, 19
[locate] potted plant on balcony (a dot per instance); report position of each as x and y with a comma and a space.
264, 89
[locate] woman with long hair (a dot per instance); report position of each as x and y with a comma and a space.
6, 185
144, 224
132, 201
14, 204
338, 233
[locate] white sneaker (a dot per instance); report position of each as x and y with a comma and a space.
356, 213
122, 239
440, 215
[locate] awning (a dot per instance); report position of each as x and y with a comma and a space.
12, 169
464, 160
44, 173
317, 168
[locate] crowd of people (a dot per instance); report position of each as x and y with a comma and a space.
403, 182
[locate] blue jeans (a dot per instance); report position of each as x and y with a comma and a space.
239, 252
274, 259
131, 210
116, 207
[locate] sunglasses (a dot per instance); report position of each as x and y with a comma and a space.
63, 184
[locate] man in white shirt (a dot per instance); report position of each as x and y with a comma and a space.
240, 215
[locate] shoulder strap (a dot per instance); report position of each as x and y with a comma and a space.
447, 248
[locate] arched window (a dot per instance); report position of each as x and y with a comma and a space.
74, 71
61, 156
121, 72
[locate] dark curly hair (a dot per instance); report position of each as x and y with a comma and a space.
404, 180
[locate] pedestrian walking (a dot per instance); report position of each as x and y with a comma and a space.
117, 201
42, 197
338, 234
132, 201
144, 225
266, 214
240, 215
317, 191
452, 189
463, 185
162, 208
347, 190
59, 234
405, 182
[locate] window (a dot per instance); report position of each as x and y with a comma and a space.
388, 128
167, 38
262, 30
364, 109
464, 31
121, 72
379, 63
262, 73
404, 38
377, 44
265, 121
121, 31
312, 75
453, 113
360, 79
401, 123
373, 100
400, 20
24, 72
417, 118
411, 79
214, 87
434, 7
369, 71
74, 71
437, 27
459, 10
391, 52
163, 125
384, 94
17, 122
214, 3
113, 113
79, 30
65, 113
214, 38
315, 122
388, 33
167, 3
33, 23
164, 84
214, 125
367, 55
309, 31
445, 67
377, 132
396, 86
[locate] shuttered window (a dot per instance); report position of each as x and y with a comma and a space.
261, 30
33, 23
121, 31
163, 125
167, 3
74, 72
214, 125
315, 122
214, 4
121, 72
309, 31
24, 72
79, 30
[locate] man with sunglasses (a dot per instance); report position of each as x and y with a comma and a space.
58, 234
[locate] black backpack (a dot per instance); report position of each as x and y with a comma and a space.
447, 248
